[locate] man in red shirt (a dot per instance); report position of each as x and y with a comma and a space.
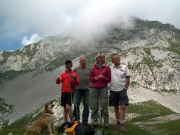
69, 80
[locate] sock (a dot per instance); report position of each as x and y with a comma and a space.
118, 121
122, 121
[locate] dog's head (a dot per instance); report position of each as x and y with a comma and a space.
49, 107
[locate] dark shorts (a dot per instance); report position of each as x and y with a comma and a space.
118, 98
66, 98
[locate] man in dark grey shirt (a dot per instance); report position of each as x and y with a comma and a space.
82, 91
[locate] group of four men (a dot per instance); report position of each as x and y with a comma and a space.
94, 81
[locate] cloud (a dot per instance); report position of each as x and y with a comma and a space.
33, 39
82, 19
95, 18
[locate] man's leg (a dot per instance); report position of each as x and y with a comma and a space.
69, 101
65, 115
86, 106
117, 112
122, 114
63, 104
78, 97
120, 117
124, 101
114, 101
69, 111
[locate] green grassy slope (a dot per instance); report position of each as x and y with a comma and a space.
145, 112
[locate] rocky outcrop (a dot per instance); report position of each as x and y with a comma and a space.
156, 69
151, 51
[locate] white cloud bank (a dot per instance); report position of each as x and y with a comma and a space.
33, 39
80, 18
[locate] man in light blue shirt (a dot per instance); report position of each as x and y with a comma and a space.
120, 79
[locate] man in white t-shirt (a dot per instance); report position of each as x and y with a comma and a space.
120, 79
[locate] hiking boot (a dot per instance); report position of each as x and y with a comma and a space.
106, 127
77, 120
94, 126
121, 127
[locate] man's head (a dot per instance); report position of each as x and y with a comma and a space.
115, 59
82, 61
68, 65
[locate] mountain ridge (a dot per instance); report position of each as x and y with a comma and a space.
150, 49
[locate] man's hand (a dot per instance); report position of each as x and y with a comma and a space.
73, 76
60, 78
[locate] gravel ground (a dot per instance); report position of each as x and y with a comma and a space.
139, 94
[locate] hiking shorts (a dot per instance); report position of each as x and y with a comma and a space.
118, 98
66, 98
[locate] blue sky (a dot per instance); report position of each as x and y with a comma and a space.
23, 22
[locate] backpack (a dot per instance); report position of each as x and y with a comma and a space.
84, 129
76, 128
70, 130
63, 127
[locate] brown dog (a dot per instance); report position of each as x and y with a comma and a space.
45, 122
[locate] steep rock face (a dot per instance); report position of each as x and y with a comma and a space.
153, 68
151, 50
29, 57
143, 34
